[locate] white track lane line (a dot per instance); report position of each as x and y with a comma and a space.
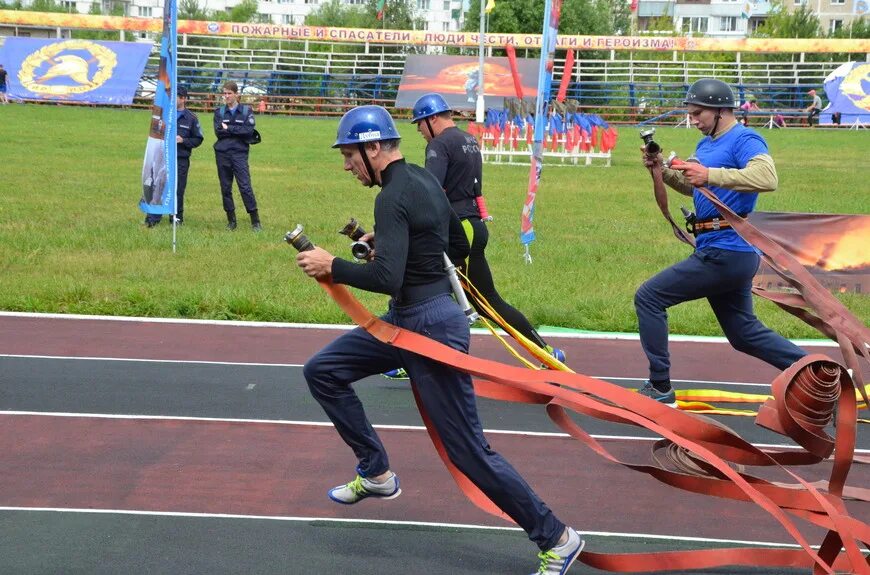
316, 520
255, 364
475, 331
419, 428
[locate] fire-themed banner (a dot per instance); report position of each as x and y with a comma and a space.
833, 247
457, 79
435, 38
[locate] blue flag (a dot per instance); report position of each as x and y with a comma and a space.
74, 70
160, 167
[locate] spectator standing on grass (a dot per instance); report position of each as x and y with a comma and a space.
813, 109
733, 162
188, 136
453, 156
234, 127
414, 227
3, 74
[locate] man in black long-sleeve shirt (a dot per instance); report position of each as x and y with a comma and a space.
413, 223
453, 156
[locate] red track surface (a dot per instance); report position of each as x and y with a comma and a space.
285, 470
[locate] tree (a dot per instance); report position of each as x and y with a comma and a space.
46, 6
191, 10
117, 10
336, 14
799, 23
579, 17
859, 28
244, 11
398, 15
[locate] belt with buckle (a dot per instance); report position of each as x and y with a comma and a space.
698, 227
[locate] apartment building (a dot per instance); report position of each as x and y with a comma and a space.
439, 15
739, 18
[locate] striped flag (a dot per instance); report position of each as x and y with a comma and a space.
382, 5
552, 14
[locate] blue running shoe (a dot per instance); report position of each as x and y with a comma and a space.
558, 560
669, 398
399, 373
557, 353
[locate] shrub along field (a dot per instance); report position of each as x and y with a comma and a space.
73, 241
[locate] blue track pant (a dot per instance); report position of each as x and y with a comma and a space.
446, 394
724, 277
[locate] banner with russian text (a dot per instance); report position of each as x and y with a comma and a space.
435, 38
833, 247
74, 70
160, 166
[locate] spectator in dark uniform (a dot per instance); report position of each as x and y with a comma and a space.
188, 136
234, 127
3, 97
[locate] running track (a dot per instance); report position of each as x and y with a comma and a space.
173, 447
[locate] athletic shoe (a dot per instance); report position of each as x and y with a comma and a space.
558, 560
360, 488
669, 398
556, 353
399, 373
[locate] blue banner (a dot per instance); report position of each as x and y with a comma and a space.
160, 167
74, 70
848, 90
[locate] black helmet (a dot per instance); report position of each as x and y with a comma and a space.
710, 93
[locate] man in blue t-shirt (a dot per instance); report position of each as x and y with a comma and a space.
733, 162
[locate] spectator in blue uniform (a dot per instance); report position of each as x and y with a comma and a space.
3, 97
234, 127
188, 136
414, 227
733, 162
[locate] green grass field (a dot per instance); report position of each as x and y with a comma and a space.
73, 241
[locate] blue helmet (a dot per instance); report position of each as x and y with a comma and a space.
366, 124
429, 105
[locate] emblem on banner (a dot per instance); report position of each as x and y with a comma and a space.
853, 86
67, 68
